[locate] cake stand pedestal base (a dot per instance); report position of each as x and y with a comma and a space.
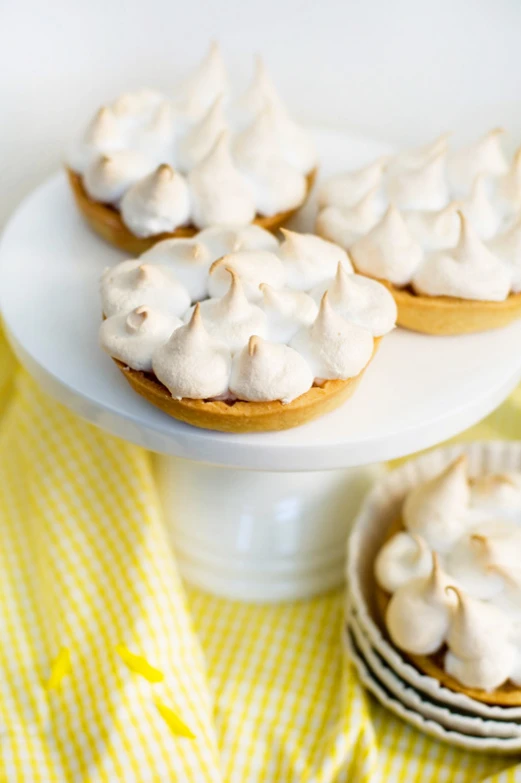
260, 535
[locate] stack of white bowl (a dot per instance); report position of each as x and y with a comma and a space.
396, 683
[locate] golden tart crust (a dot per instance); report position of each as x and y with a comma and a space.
447, 315
106, 220
242, 416
507, 695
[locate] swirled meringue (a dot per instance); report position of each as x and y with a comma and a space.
435, 230
509, 185
253, 267
205, 84
484, 156
261, 91
221, 240
360, 300
157, 203
479, 209
468, 271
483, 672
497, 492
425, 187
388, 251
294, 144
332, 347
193, 363
345, 225
499, 541
477, 628
103, 136
109, 177
287, 312
265, 371
188, 259
402, 558
219, 192
346, 190
137, 103
308, 259
232, 319
277, 185
197, 143
132, 284
436, 509
133, 337
418, 614
507, 247
469, 564
418, 157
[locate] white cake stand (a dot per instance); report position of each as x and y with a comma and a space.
261, 516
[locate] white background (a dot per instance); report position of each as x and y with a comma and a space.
399, 71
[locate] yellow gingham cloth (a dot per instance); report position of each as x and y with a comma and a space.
112, 671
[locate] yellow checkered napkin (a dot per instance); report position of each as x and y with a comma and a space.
110, 672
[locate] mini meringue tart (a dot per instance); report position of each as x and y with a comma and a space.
278, 359
449, 600
458, 291
140, 131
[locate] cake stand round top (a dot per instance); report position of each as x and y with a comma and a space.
418, 391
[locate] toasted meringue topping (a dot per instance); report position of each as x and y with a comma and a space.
360, 300
507, 247
188, 259
198, 142
109, 177
388, 251
346, 190
419, 157
509, 186
139, 102
469, 564
260, 92
309, 260
232, 319
193, 363
477, 628
418, 614
478, 208
436, 509
345, 225
205, 84
294, 143
132, 338
287, 312
132, 284
265, 371
402, 558
253, 267
486, 672
435, 230
221, 240
497, 491
421, 188
333, 347
220, 194
484, 156
469, 271
156, 204
103, 136
156, 138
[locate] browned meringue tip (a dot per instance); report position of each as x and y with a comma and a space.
233, 273
142, 310
164, 172
253, 344
495, 132
197, 318
103, 111
286, 233
217, 263
457, 592
197, 251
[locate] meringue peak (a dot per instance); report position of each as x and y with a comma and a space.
104, 127
136, 319
148, 274
201, 139
207, 80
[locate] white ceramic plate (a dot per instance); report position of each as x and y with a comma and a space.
417, 701
426, 725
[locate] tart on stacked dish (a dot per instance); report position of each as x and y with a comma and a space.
441, 228
449, 583
151, 166
231, 331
